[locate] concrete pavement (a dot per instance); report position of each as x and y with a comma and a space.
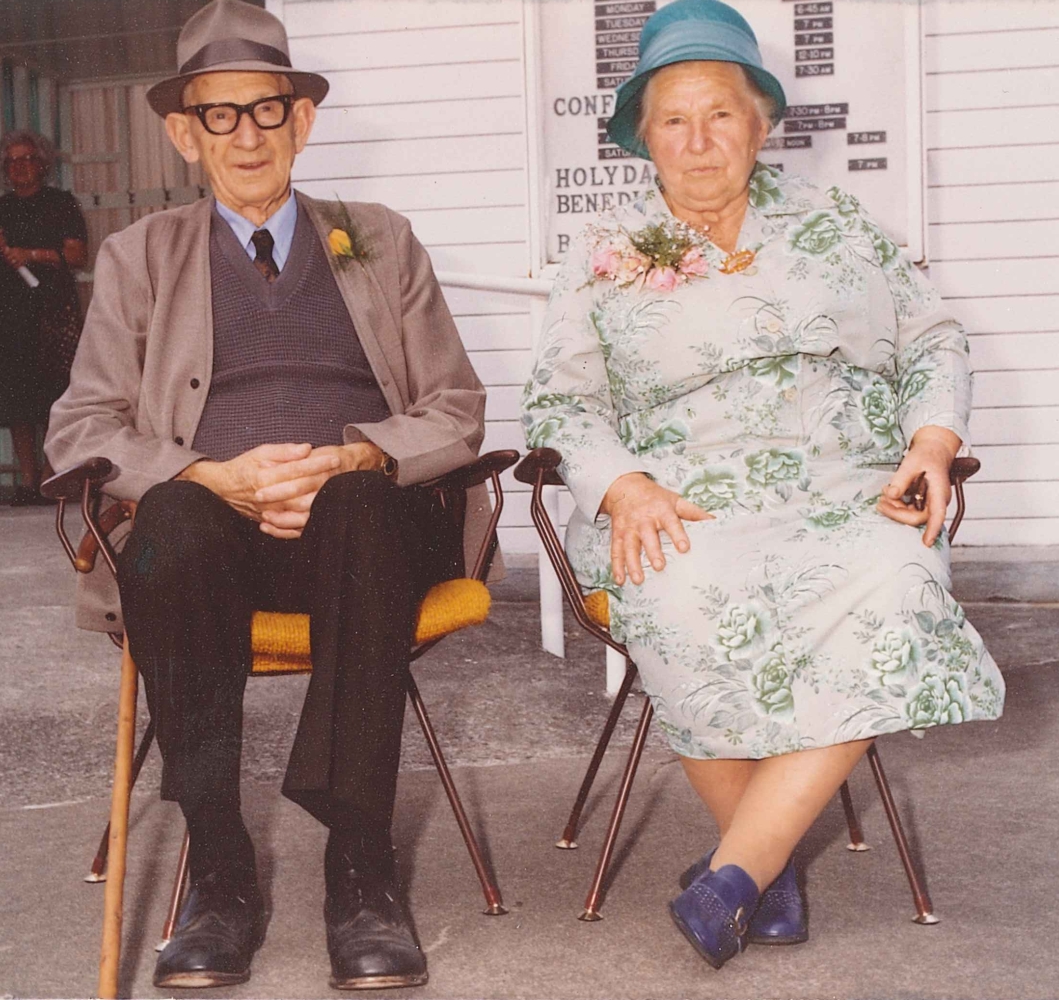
980, 802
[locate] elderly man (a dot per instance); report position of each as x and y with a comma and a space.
270, 374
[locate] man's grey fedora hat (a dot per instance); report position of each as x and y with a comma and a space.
230, 35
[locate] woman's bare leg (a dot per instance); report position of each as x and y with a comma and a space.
782, 798
720, 784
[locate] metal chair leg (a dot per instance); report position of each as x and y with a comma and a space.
856, 836
177, 897
592, 901
110, 953
920, 898
568, 841
98, 871
494, 903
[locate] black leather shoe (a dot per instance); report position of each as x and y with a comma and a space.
220, 927
369, 935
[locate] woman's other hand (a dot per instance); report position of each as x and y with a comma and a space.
75, 254
639, 509
930, 455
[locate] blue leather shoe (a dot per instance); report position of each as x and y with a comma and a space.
714, 911
780, 914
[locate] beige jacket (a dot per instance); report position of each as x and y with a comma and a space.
143, 367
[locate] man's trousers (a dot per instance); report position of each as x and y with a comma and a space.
192, 573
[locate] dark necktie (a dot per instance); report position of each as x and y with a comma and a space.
264, 261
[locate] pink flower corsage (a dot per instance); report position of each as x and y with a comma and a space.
659, 257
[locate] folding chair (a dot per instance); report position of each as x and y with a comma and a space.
539, 469
280, 644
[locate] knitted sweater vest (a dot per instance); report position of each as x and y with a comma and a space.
287, 363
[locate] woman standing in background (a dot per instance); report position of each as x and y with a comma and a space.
43, 240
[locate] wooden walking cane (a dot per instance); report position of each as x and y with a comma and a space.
84, 481
110, 954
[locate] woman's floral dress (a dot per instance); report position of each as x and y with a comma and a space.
780, 399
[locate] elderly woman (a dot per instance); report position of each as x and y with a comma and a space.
43, 233
745, 378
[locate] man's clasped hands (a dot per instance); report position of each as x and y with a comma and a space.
275, 484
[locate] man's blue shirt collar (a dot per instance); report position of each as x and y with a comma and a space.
280, 224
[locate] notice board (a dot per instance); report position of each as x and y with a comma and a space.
851, 70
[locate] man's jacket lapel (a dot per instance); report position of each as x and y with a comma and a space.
377, 328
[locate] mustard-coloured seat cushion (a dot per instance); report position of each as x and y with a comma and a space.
597, 604
450, 606
280, 641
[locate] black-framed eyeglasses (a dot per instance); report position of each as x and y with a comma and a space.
223, 119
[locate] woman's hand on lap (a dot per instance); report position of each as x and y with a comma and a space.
639, 509
931, 454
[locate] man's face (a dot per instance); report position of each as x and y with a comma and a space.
249, 169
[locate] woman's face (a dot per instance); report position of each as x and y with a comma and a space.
23, 168
704, 131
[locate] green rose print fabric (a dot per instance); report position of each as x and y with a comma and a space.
779, 399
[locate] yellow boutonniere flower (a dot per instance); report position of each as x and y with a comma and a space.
340, 243
346, 241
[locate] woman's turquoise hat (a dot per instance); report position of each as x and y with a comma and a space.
683, 31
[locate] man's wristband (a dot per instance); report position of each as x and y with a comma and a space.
389, 466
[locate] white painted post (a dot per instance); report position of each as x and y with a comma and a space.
615, 671
551, 593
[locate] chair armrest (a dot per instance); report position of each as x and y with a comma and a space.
119, 513
540, 461
963, 468
82, 483
483, 469
477, 472
70, 484
540, 468
548, 460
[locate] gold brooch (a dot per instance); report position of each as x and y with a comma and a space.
737, 262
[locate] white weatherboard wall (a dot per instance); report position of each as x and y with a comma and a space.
992, 136
428, 114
